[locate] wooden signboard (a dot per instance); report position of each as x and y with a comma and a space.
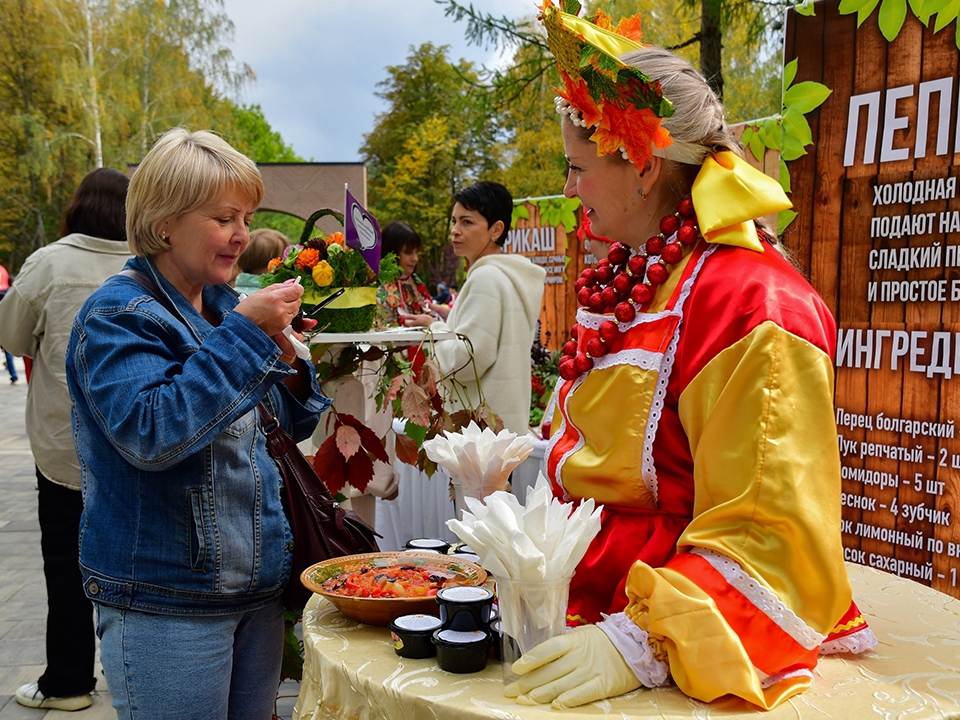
557, 250
879, 232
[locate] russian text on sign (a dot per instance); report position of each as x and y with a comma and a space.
893, 122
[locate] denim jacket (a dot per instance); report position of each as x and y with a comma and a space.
182, 509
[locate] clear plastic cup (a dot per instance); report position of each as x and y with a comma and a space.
531, 612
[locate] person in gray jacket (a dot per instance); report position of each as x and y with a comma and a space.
36, 316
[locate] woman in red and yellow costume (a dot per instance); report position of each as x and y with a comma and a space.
696, 403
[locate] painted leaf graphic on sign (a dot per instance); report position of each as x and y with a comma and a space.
893, 13
891, 17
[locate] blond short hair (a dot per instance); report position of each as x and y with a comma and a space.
265, 244
181, 172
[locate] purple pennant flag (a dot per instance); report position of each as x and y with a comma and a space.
361, 231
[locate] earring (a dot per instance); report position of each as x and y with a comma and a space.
642, 196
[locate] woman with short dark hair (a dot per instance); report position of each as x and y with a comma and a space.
497, 309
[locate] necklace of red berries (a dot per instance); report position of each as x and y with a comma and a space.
624, 284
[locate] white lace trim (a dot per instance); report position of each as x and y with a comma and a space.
643, 359
647, 467
632, 643
768, 680
859, 642
560, 433
762, 598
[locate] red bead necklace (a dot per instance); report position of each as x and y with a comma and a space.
623, 282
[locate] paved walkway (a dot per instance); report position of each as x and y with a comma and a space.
23, 598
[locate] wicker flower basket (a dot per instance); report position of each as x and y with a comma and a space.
352, 312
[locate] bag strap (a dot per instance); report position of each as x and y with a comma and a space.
279, 443
147, 283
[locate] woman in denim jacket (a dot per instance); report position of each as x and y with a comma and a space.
184, 546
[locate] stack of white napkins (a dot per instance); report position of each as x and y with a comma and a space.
479, 461
543, 540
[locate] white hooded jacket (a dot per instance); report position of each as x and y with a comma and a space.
497, 309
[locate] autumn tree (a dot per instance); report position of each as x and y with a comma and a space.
751, 25
90, 83
36, 155
431, 101
416, 187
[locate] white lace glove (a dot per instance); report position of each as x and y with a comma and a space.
573, 669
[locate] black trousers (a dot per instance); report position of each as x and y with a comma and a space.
70, 633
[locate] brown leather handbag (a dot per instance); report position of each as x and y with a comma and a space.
321, 528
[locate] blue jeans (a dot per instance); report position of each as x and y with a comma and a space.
208, 667
11, 368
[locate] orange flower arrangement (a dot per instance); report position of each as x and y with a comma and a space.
273, 264
336, 238
307, 259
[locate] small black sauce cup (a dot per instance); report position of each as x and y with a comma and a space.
472, 557
461, 652
441, 546
412, 635
465, 609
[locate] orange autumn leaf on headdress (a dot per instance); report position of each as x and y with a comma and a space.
636, 131
578, 95
629, 27
602, 20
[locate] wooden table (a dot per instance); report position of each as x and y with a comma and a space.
351, 671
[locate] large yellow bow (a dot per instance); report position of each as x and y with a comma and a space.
729, 194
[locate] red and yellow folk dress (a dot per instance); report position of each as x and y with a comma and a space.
707, 432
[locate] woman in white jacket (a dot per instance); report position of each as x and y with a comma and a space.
497, 308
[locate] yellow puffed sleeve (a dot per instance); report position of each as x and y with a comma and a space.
759, 578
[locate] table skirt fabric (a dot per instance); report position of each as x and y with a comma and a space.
423, 503
421, 509
352, 672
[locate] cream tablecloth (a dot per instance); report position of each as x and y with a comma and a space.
351, 671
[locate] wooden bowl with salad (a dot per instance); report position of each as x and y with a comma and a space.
376, 588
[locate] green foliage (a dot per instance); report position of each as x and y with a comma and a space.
893, 13
789, 132
287, 224
89, 83
254, 137
558, 211
291, 666
520, 212
544, 371
751, 38
553, 211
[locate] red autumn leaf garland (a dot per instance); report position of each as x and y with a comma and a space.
577, 94
333, 463
348, 441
